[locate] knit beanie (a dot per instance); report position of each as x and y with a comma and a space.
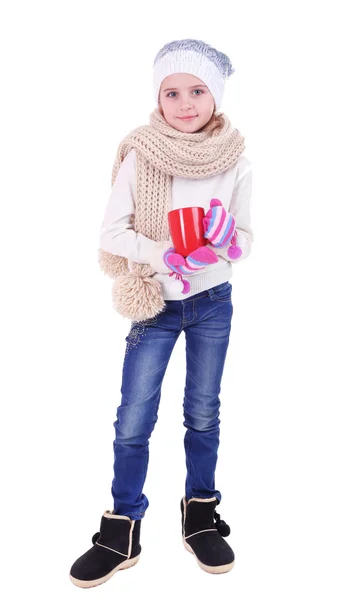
196, 58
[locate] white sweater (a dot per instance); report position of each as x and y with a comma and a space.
233, 187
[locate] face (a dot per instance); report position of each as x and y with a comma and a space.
183, 95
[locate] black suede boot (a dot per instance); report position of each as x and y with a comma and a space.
203, 532
115, 547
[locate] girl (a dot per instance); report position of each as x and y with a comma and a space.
188, 155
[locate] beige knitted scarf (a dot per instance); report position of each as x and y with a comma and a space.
162, 153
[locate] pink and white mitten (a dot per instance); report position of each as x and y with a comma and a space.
196, 260
219, 227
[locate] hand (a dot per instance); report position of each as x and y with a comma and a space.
156, 261
195, 261
219, 226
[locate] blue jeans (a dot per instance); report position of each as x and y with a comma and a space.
206, 319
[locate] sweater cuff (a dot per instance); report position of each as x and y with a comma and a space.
156, 259
242, 241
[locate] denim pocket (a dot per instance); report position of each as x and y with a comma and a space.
223, 293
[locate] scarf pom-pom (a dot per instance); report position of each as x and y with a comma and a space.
112, 265
137, 298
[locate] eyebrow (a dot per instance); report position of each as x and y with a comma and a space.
190, 87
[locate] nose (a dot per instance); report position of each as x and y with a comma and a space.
186, 107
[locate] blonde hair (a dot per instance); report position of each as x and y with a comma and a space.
216, 122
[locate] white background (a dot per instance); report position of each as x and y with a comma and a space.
77, 77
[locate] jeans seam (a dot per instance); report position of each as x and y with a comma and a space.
194, 309
223, 300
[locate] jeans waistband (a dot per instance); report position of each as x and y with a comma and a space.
204, 293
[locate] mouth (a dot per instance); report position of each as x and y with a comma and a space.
187, 118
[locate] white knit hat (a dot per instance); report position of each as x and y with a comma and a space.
196, 58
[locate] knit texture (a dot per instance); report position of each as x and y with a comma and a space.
162, 153
198, 259
221, 60
218, 224
194, 57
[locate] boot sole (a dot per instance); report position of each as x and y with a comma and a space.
208, 568
94, 582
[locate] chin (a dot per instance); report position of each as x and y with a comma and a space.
187, 125
187, 129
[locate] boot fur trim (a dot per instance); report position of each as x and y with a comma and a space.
201, 499
109, 515
130, 538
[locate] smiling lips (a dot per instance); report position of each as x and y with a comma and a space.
187, 118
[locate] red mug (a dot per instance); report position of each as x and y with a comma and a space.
187, 229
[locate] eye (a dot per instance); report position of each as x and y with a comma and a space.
196, 90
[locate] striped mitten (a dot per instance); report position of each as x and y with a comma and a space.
196, 260
219, 227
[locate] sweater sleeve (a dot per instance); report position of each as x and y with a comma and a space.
240, 208
117, 235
